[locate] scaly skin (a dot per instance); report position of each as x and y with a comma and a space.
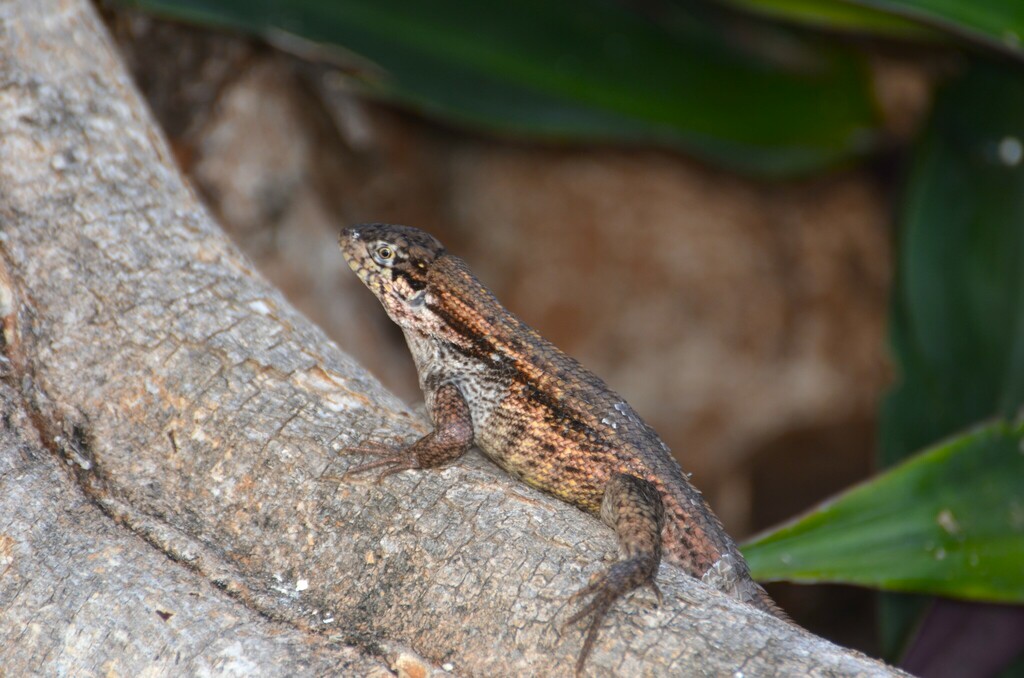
491, 380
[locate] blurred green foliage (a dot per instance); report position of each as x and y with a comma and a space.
957, 323
997, 24
957, 320
957, 329
839, 15
584, 70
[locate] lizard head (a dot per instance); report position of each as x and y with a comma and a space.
394, 262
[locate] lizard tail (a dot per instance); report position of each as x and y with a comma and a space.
730, 575
760, 599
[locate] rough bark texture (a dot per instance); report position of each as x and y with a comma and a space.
188, 402
81, 596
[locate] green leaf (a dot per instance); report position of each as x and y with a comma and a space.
838, 15
949, 521
583, 70
997, 24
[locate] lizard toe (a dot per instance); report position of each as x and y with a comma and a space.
621, 578
395, 463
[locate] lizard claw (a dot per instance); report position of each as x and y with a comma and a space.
657, 592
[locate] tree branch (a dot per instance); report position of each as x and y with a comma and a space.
199, 410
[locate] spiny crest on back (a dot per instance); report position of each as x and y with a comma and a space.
394, 262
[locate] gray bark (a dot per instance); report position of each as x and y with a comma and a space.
172, 436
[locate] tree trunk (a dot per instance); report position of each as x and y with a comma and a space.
197, 523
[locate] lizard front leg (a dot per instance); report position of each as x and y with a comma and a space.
451, 438
632, 507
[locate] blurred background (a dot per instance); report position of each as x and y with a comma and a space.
789, 232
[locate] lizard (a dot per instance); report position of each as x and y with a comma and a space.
491, 380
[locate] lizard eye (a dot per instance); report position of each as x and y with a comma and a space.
384, 254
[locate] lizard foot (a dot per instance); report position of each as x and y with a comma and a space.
451, 437
394, 460
620, 579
